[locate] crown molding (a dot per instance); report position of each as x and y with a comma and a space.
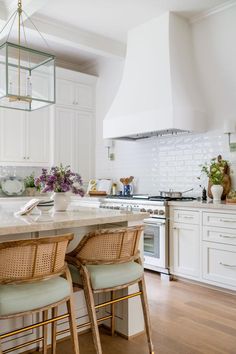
214, 10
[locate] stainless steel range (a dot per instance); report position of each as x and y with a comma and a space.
156, 254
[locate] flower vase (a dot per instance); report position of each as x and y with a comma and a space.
61, 201
216, 190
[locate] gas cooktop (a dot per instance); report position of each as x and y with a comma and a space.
148, 197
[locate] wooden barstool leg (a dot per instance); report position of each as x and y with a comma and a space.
54, 330
72, 323
91, 310
112, 314
45, 332
142, 288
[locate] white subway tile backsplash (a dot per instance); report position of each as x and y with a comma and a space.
165, 162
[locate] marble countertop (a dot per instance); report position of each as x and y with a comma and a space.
76, 216
203, 205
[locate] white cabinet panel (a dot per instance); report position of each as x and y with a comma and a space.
84, 96
219, 219
13, 136
220, 235
219, 263
185, 249
65, 136
65, 94
77, 96
85, 145
38, 129
74, 140
186, 216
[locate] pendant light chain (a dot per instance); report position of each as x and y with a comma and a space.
19, 10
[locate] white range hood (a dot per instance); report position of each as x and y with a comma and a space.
158, 92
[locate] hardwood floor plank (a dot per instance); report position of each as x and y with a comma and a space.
186, 319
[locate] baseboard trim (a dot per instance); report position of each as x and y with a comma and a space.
204, 285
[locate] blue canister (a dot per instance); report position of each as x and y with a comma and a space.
127, 189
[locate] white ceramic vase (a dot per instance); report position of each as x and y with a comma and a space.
61, 201
216, 191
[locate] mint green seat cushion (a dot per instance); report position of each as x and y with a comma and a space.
31, 296
109, 276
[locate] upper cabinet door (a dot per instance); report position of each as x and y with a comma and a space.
65, 93
64, 148
38, 132
84, 96
13, 136
85, 145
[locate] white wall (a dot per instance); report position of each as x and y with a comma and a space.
173, 162
215, 53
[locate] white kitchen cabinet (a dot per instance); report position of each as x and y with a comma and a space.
219, 263
25, 137
219, 248
74, 145
85, 145
13, 136
62, 133
38, 133
64, 136
73, 94
185, 249
203, 245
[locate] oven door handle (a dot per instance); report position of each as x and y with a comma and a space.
155, 224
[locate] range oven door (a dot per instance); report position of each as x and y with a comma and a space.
155, 243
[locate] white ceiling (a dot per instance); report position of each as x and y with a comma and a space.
113, 18
80, 31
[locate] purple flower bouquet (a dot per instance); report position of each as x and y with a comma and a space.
60, 179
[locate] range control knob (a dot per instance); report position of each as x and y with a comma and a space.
156, 212
161, 212
150, 211
143, 210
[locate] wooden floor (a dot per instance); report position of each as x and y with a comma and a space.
186, 319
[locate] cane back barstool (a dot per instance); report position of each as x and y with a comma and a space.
31, 281
106, 261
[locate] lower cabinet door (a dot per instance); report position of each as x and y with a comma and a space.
219, 263
185, 250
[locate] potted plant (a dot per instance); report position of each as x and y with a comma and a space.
219, 180
60, 180
30, 187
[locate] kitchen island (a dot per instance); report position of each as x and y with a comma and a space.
78, 220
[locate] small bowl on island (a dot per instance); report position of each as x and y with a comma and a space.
45, 206
231, 197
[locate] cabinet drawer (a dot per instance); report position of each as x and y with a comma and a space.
220, 219
219, 263
221, 235
186, 216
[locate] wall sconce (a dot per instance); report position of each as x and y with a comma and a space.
230, 128
109, 144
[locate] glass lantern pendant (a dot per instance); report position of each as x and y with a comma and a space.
27, 76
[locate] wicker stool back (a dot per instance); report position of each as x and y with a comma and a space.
104, 247
33, 260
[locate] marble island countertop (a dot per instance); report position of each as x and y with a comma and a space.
204, 205
76, 216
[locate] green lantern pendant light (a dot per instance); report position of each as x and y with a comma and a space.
27, 76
